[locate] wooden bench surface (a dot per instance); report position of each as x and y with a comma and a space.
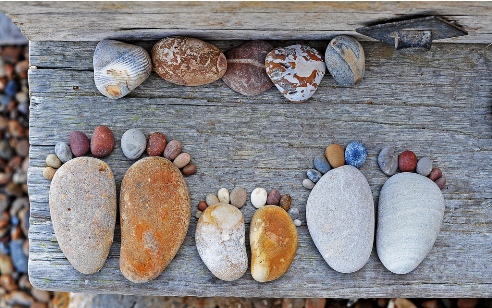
436, 103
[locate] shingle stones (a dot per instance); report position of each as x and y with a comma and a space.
83, 212
155, 212
296, 71
345, 60
220, 241
410, 214
340, 218
246, 68
188, 61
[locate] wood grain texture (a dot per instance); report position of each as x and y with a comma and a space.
436, 103
83, 21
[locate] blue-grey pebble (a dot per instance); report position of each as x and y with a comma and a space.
5, 248
355, 154
388, 160
17, 255
133, 143
313, 175
308, 184
424, 166
321, 164
345, 60
63, 152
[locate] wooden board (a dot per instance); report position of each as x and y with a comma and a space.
436, 103
83, 21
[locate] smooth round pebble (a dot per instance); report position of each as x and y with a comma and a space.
435, 174
172, 150
202, 206
388, 161
321, 164
273, 197
198, 214
335, 154
49, 173
189, 169
441, 182
308, 184
355, 154
238, 197
285, 202
297, 222
345, 60
182, 160
313, 175
211, 199
63, 152
223, 195
79, 143
133, 143
293, 212
102, 142
156, 144
424, 166
53, 161
407, 161
259, 197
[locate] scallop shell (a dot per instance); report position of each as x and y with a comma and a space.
119, 68
345, 60
410, 214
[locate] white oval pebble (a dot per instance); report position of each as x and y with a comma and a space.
198, 214
211, 199
133, 143
308, 184
223, 195
297, 222
259, 197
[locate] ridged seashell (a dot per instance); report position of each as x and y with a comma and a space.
345, 60
410, 214
119, 67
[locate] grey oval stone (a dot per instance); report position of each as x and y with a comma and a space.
410, 214
63, 152
340, 218
133, 143
424, 166
83, 212
345, 60
388, 160
321, 164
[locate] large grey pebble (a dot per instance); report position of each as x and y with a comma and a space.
424, 166
388, 160
62, 150
345, 60
340, 218
410, 214
133, 143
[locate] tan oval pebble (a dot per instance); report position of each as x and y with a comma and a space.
188, 61
223, 195
220, 241
273, 240
189, 169
53, 161
83, 212
155, 213
172, 150
182, 160
211, 199
238, 197
335, 154
285, 202
49, 173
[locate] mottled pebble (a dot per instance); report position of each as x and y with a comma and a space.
172, 150
321, 164
79, 143
273, 197
313, 175
259, 197
293, 212
102, 142
22, 148
435, 174
189, 169
355, 154
63, 152
285, 202
441, 182
211, 199
156, 144
335, 154
133, 143
308, 184
424, 166
407, 161
49, 173
53, 161
238, 197
202, 206
223, 195
345, 60
198, 213
182, 160
297, 222
388, 161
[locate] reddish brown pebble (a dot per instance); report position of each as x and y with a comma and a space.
273, 197
441, 182
189, 169
173, 149
435, 174
79, 143
156, 144
285, 202
16, 129
102, 143
407, 161
7, 282
202, 205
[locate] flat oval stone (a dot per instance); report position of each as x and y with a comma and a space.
83, 212
102, 142
313, 175
220, 241
155, 211
410, 214
188, 61
79, 143
246, 68
273, 241
388, 161
295, 70
321, 164
238, 197
335, 154
133, 143
340, 218
63, 152
345, 60
424, 166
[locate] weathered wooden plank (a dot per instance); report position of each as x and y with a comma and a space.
42, 21
436, 103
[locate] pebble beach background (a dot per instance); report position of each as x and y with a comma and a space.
15, 289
